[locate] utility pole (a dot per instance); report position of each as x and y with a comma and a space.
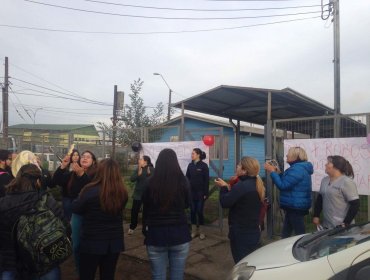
169, 105
336, 61
169, 96
114, 120
5, 91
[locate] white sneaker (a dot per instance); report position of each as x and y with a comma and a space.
130, 231
202, 236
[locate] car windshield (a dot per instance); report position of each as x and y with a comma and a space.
326, 242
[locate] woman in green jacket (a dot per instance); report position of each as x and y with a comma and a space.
140, 176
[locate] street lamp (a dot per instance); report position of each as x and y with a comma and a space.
34, 112
169, 96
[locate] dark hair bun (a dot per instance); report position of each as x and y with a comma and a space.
203, 155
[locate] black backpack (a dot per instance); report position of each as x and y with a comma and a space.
41, 239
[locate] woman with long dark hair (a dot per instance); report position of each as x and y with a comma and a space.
244, 200
65, 178
80, 175
338, 197
140, 176
198, 175
167, 235
101, 205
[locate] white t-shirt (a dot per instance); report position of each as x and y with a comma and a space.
335, 198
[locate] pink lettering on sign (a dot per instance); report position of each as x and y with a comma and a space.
355, 149
361, 182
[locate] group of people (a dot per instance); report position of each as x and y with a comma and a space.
338, 198
91, 192
244, 195
94, 197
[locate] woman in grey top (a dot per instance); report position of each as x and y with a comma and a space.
338, 197
144, 170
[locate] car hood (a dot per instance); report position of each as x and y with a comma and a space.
276, 254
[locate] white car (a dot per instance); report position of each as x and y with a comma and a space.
336, 254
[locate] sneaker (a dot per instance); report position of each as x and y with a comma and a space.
202, 236
130, 231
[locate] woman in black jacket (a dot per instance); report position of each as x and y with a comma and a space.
140, 176
21, 197
75, 176
65, 177
244, 200
101, 205
165, 226
198, 175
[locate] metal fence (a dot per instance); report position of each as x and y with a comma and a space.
341, 126
52, 146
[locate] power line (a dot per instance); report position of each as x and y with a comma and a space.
201, 10
57, 91
170, 18
28, 114
53, 84
75, 113
63, 108
156, 32
16, 109
50, 95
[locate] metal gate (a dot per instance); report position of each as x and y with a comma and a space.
355, 125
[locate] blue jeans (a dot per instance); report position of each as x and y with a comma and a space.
76, 223
243, 241
293, 222
67, 208
7, 275
53, 274
174, 255
197, 211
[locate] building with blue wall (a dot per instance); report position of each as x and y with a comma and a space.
195, 127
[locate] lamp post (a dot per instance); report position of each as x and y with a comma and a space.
34, 112
169, 96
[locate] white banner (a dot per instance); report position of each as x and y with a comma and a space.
182, 149
356, 150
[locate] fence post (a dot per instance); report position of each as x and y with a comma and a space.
367, 134
103, 148
269, 185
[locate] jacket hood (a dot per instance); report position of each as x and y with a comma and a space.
304, 164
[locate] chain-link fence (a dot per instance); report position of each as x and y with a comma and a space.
52, 146
342, 126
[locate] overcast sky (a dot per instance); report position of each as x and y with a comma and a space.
297, 54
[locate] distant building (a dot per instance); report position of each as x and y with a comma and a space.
58, 135
252, 140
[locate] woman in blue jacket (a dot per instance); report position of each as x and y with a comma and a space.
295, 187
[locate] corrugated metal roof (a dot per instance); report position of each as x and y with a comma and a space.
250, 104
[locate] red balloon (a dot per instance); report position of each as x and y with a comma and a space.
208, 140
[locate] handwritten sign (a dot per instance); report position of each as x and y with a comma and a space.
356, 150
182, 149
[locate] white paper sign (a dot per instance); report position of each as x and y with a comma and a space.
356, 150
182, 149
